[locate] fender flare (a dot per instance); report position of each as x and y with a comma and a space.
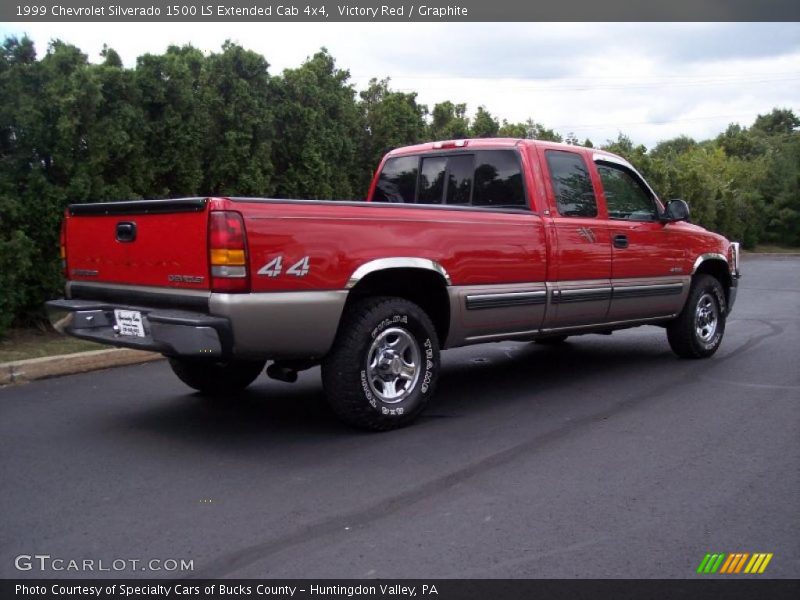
396, 262
708, 256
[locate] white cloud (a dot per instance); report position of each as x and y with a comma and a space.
652, 81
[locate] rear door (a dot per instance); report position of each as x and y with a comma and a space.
580, 244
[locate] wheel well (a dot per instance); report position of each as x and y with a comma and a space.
718, 269
426, 289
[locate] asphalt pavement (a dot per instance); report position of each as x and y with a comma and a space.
606, 457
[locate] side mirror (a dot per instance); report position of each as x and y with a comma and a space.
676, 210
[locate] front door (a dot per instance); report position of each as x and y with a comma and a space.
646, 256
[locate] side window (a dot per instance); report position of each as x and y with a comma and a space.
459, 178
498, 180
571, 184
431, 180
398, 180
625, 196
487, 178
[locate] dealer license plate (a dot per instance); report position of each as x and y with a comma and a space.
129, 322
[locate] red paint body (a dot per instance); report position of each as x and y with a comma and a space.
474, 246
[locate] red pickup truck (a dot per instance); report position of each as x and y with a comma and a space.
459, 242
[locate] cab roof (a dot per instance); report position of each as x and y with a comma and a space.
495, 143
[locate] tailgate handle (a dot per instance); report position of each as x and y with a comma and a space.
126, 231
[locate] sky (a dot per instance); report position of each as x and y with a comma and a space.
651, 81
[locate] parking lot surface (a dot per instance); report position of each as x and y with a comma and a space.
603, 457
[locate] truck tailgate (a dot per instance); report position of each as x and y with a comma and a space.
150, 243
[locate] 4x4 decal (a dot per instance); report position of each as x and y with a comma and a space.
274, 267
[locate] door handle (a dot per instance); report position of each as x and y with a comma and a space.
620, 241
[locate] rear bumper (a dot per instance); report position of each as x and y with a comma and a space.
267, 325
170, 332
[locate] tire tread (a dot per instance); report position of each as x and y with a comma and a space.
680, 331
347, 401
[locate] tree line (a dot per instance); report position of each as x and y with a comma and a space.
185, 123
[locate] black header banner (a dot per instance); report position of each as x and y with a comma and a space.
397, 10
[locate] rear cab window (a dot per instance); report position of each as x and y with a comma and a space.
398, 180
479, 178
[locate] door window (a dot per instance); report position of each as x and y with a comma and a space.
571, 184
626, 197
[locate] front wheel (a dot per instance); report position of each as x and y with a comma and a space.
217, 378
697, 331
383, 367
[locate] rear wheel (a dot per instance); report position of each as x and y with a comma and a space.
383, 367
697, 331
217, 378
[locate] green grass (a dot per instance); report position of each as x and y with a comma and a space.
19, 344
768, 249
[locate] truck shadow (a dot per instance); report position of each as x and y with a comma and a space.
473, 381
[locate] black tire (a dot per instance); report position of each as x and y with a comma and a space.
552, 340
362, 372
217, 378
697, 331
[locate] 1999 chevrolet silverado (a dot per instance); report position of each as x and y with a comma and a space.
459, 242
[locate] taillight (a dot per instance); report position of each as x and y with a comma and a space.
227, 252
62, 242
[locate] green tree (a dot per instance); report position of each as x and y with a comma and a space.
391, 119
50, 108
537, 131
780, 188
484, 125
175, 122
118, 154
237, 94
530, 130
20, 133
675, 146
320, 130
513, 130
781, 121
739, 142
449, 122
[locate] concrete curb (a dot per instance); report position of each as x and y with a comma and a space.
20, 371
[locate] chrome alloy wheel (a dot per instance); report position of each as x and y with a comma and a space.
706, 318
393, 365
